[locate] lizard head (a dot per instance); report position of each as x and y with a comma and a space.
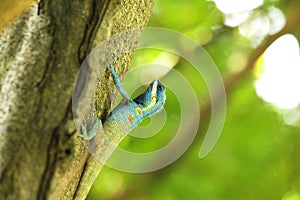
153, 99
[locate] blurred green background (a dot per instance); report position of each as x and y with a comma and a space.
257, 155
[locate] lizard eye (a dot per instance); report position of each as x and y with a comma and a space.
159, 87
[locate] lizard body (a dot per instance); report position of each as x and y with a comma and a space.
130, 112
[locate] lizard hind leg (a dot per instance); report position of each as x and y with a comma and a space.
93, 135
94, 128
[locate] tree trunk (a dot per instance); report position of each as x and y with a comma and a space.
41, 155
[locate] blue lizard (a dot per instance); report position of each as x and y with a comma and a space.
130, 112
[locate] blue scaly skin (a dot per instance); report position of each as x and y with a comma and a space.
130, 112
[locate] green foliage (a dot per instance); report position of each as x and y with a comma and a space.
257, 155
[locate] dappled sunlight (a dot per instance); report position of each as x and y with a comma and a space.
235, 19
255, 29
279, 82
252, 23
233, 6
291, 196
236, 12
262, 24
276, 20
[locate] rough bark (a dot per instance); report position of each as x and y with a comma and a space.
41, 155
10, 9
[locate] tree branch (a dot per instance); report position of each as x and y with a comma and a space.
40, 52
